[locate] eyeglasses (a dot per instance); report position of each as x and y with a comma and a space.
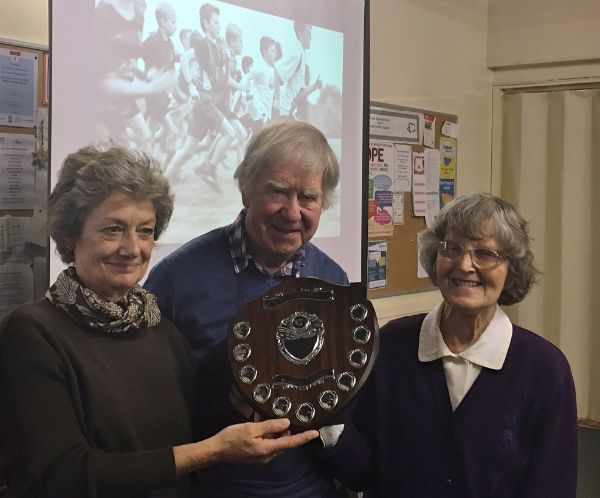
483, 259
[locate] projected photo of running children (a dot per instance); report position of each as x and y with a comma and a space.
190, 82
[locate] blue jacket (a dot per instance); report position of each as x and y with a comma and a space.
199, 291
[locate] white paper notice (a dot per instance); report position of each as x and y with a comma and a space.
397, 126
17, 173
37, 233
450, 129
403, 168
429, 130
398, 208
419, 192
421, 273
432, 184
16, 286
18, 87
12, 236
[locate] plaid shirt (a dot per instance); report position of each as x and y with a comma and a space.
238, 248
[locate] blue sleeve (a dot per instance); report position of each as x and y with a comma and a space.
160, 283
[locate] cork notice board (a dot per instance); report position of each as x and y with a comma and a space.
399, 136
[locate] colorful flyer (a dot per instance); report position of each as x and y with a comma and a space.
381, 172
446, 191
447, 158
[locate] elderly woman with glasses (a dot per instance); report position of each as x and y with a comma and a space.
462, 402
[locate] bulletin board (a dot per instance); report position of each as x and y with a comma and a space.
23, 173
401, 135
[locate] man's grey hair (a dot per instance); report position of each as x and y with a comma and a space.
289, 142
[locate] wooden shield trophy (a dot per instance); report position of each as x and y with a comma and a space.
303, 350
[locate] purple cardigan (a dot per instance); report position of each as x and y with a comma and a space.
513, 435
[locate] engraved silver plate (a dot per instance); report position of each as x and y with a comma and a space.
281, 406
248, 374
358, 312
242, 330
357, 358
242, 352
261, 393
361, 334
305, 412
346, 381
300, 337
328, 400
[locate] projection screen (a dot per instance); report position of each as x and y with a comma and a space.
127, 72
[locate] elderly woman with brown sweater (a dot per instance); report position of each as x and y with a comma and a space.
95, 385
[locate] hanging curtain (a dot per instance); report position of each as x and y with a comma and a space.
551, 173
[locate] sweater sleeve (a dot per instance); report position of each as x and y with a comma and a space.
553, 468
42, 416
352, 458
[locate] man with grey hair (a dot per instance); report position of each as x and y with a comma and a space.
287, 178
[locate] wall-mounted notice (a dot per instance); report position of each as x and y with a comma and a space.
377, 266
16, 286
403, 168
17, 172
381, 180
398, 126
419, 191
432, 185
18, 88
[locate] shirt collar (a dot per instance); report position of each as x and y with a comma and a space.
241, 258
489, 351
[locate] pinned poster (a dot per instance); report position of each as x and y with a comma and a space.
429, 130
13, 232
447, 191
377, 264
381, 170
17, 172
16, 286
403, 168
432, 185
419, 191
18, 84
447, 158
398, 208
450, 129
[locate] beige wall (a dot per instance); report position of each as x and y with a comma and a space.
431, 54
542, 31
24, 21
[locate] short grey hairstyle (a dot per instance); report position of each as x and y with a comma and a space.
89, 176
471, 216
289, 142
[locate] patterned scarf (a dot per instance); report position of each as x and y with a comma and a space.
138, 310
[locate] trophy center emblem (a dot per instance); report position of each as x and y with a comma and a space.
300, 337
